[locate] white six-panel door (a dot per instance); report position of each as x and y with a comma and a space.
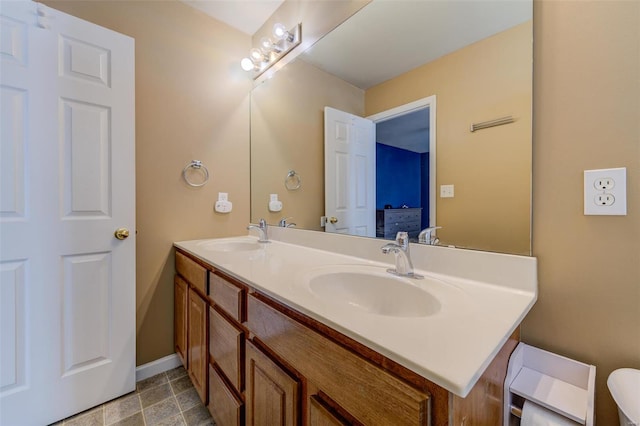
67, 286
349, 173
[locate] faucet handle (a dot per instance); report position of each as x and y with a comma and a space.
402, 239
426, 235
283, 221
262, 223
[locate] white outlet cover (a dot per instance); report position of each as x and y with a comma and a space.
597, 201
446, 191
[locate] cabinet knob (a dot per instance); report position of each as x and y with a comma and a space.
333, 219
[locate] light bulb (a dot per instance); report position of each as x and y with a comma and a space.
266, 44
247, 64
256, 55
280, 31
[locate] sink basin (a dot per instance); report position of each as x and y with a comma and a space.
374, 291
230, 245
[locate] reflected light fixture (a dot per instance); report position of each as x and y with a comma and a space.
270, 51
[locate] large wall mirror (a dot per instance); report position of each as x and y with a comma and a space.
423, 72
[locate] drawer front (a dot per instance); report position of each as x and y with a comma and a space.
192, 272
371, 395
224, 405
226, 295
401, 215
226, 344
402, 226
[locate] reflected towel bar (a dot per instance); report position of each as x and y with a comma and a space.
492, 123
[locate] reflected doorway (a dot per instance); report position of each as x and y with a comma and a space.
405, 168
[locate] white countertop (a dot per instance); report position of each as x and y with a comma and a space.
451, 348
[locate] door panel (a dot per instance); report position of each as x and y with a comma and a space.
86, 147
13, 322
68, 286
86, 311
349, 173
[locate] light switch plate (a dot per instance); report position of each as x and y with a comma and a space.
446, 191
605, 192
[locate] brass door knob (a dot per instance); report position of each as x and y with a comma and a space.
121, 233
333, 219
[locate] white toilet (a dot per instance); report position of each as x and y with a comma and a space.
624, 385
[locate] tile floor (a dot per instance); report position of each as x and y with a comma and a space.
167, 399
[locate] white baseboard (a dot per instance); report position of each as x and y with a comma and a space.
158, 366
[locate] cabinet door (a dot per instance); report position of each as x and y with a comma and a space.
321, 415
180, 318
197, 341
272, 397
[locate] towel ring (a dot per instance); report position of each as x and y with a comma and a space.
292, 181
197, 165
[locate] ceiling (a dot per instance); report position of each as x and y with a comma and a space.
245, 15
409, 131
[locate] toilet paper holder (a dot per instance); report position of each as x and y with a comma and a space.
559, 384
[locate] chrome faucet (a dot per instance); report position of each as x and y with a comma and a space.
283, 223
426, 236
262, 228
400, 248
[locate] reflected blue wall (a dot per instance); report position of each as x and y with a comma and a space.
397, 171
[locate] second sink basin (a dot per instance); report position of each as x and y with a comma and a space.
230, 245
373, 290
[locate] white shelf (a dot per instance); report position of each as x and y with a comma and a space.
557, 383
551, 393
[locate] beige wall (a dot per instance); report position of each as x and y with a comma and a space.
586, 109
191, 103
586, 116
491, 169
287, 128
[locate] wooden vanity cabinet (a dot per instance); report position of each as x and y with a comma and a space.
267, 364
190, 320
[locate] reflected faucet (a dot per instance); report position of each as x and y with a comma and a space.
400, 248
262, 228
426, 236
283, 223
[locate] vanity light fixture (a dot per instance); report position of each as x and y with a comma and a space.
270, 52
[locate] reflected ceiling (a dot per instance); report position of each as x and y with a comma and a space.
380, 41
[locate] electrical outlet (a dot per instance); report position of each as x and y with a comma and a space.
604, 199
603, 184
446, 191
605, 192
